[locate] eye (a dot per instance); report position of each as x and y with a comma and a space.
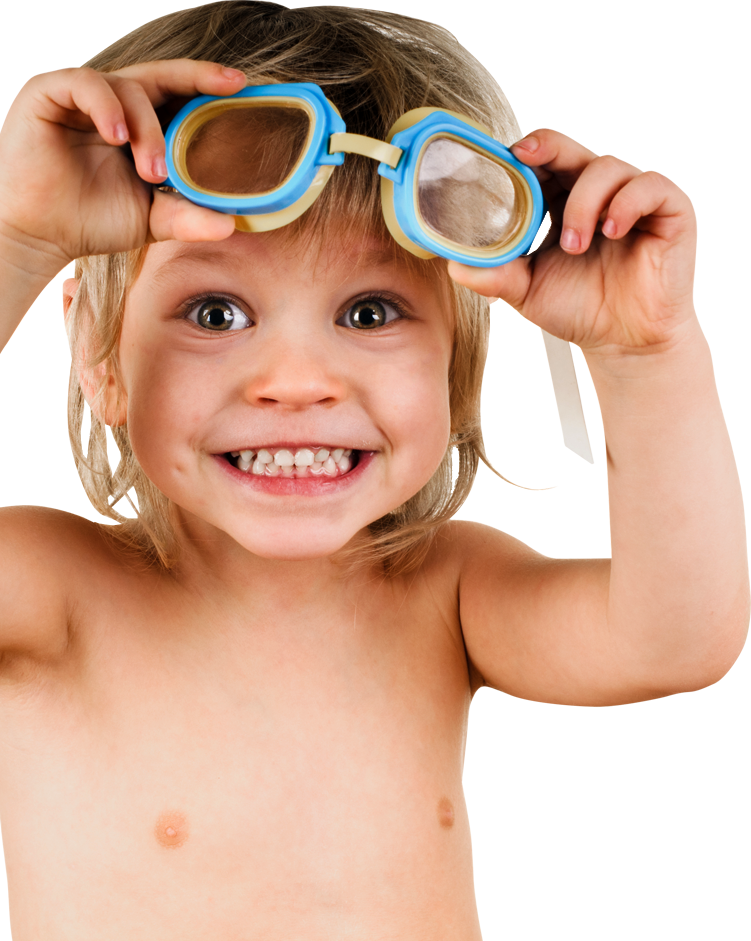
218, 315
369, 313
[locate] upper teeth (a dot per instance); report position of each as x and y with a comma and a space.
304, 461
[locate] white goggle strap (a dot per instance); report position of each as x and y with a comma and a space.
567, 396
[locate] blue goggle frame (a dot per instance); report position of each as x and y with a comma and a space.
327, 142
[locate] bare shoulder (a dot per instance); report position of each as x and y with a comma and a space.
45, 556
460, 548
473, 563
461, 545
534, 626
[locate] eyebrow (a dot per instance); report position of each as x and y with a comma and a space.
190, 254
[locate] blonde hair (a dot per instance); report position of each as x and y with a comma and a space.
374, 66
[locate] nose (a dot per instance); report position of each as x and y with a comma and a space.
295, 374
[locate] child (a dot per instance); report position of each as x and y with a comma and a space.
260, 733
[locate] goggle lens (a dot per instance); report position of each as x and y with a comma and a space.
468, 198
248, 150
264, 155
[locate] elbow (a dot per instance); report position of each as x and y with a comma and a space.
719, 662
733, 632
727, 638
735, 646
719, 644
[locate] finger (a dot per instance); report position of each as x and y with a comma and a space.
145, 86
648, 196
555, 153
168, 78
144, 132
509, 282
69, 92
597, 185
174, 217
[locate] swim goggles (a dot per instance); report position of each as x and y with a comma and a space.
265, 154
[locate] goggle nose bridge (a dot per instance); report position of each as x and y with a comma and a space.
346, 143
399, 159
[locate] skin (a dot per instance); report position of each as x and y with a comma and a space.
296, 377
251, 696
259, 742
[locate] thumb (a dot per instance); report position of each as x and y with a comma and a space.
174, 217
509, 282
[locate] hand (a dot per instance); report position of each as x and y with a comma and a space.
67, 187
615, 273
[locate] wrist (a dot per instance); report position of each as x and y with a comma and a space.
27, 259
25, 270
682, 349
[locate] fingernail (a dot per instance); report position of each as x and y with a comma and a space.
530, 144
121, 133
159, 167
609, 228
233, 73
570, 240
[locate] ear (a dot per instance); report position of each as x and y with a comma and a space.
70, 287
92, 379
107, 411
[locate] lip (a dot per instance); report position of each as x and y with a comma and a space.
290, 446
298, 486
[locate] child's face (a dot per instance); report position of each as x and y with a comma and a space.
292, 373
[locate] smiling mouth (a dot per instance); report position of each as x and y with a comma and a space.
313, 461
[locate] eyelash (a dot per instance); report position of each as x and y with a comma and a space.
383, 297
194, 303
388, 300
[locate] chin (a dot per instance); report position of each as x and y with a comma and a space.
297, 546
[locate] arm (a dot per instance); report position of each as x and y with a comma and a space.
34, 603
679, 577
670, 612
67, 189
24, 273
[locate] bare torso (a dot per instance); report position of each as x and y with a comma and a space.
183, 770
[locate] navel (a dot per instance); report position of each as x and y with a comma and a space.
171, 829
445, 812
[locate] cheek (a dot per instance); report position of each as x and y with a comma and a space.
420, 420
167, 405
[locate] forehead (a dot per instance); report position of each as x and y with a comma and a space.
330, 261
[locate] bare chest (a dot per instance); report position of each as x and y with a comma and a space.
272, 778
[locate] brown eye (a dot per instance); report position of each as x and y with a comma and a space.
218, 315
368, 314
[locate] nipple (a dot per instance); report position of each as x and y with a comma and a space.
445, 813
171, 829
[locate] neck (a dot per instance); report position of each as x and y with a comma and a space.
211, 563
